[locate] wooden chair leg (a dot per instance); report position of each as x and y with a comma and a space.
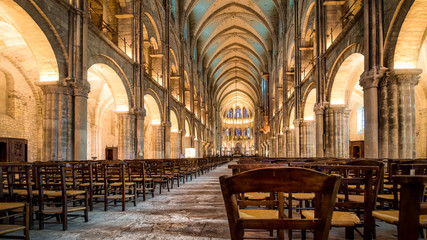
123, 198
86, 209
27, 222
349, 233
64, 220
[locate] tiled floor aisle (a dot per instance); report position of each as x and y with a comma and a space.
195, 210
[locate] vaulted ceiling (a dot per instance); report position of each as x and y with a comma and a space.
234, 41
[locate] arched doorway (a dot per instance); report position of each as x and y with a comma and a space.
153, 130
27, 57
108, 107
345, 116
175, 136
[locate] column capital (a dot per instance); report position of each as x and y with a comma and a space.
319, 108
141, 113
372, 78
125, 114
81, 89
298, 122
168, 124
339, 109
49, 88
398, 76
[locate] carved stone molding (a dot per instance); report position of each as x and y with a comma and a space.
54, 89
81, 89
399, 76
372, 78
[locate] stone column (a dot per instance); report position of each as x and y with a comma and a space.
105, 15
158, 144
337, 131
140, 118
319, 110
94, 150
290, 142
126, 123
57, 123
167, 138
281, 146
175, 144
297, 137
422, 134
307, 138
81, 92
397, 114
196, 146
273, 146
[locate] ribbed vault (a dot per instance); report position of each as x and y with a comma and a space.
233, 41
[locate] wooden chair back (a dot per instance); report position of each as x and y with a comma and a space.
281, 180
20, 184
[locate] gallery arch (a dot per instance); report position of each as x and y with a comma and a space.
153, 145
109, 123
27, 61
346, 106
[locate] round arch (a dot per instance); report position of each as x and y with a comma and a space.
16, 23
412, 31
344, 82
309, 102
101, 71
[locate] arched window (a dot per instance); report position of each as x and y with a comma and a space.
249, 132
360, 119
245, 113
227, 132
238, 132
238, 113
230, 113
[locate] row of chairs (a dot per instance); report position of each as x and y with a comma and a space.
361, 182
59, 190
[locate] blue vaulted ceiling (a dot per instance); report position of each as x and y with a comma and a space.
233, 40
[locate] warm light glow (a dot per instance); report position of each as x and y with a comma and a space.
48, 78
155, 122
292, 127
310, 118
174, 130
122, 108
404, 65
337, 102
190, 152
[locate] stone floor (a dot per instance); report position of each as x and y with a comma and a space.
195, 210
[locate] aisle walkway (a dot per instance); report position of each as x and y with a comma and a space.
195, 210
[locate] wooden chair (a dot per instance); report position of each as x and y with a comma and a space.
144, 183
411, 211
10, 211
393, 196
83, 172
55, 199
21, 186
156, 171
169, 171
118, 184
402, 171
280, 180
367, 178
